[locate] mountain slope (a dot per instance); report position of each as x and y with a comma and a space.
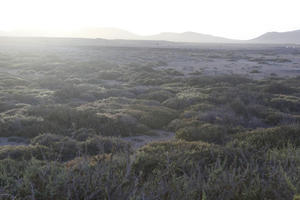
189, 37
291, 37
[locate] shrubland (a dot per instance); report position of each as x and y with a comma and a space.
235, 137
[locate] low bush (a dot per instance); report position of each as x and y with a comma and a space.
66, 148
182, 154
181, 102
155, 117
279, 88
159, 95
25, 152
289, 104
277, 137
20, 125
188, 156
205, 132
100, 145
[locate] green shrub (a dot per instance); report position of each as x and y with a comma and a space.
25, 152
277, 137
155, 117
20, 125
185, 99
159, 95
220, 79
99, 145
60, 119
188, 156
183, 154
255, 71
108, 75
239, 107
206, 132
83, 134
279, 88
177, 124
10, 81
286, 103
66, 148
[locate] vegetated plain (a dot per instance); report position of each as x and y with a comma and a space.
149, 122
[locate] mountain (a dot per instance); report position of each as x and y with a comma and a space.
291, 37
115, 33
190, 37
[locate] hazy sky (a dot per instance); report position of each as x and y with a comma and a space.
238, 19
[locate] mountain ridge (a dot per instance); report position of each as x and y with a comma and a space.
279, 37
190, 37
289, 37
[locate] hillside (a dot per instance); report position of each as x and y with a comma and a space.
190, 37
115, 33
292, 37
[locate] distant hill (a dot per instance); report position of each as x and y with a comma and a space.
291, 37
55, 41
115, 33
190, 37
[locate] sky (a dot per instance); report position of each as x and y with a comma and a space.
236, 19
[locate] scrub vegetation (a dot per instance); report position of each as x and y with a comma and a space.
73, 113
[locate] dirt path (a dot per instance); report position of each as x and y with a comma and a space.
139, 141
